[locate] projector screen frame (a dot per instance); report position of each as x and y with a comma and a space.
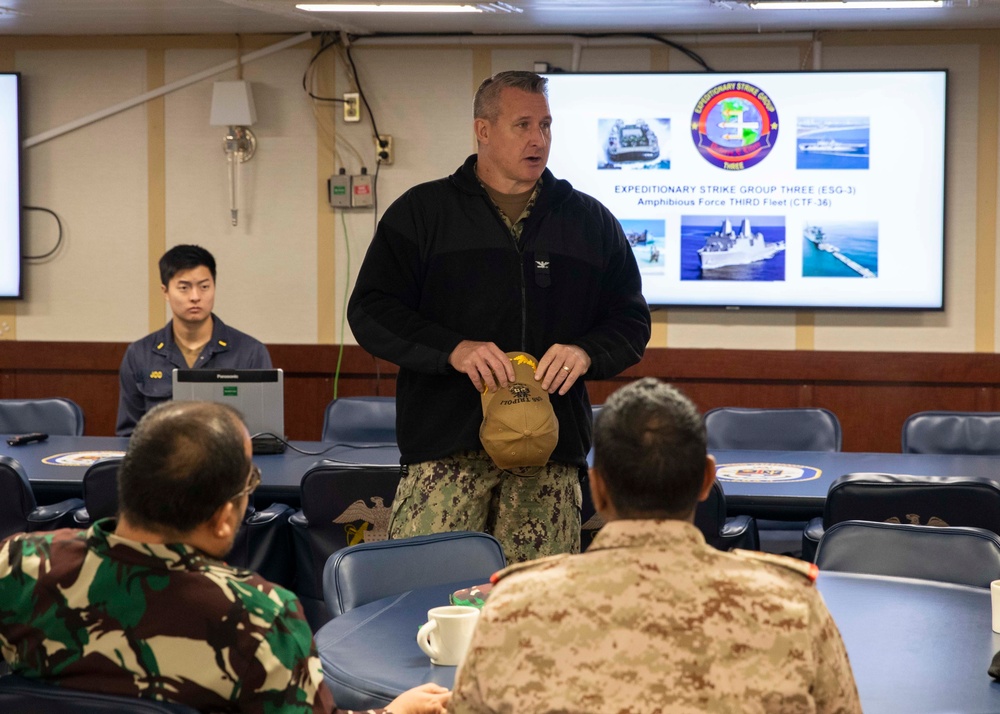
678, 121
11, 201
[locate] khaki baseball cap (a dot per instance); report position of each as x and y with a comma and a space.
519, 427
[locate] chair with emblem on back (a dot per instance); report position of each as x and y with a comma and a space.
342, 505
56, 415
901, 498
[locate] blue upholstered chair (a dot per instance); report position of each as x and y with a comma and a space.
50, 416
19, 512
20, 695
100, 492
901, 498
947, 432
360, 420
370, 571
960, 555
806, 429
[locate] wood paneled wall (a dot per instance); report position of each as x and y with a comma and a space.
871, 392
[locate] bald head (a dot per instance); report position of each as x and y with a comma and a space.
184, 461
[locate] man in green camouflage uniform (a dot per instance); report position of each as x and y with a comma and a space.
651, 618
147, 609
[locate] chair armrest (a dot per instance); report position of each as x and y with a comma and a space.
54, 515
810, 539
741, 532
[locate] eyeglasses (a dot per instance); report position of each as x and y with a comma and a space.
253, 481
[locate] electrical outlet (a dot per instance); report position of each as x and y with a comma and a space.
383, 149
352, 106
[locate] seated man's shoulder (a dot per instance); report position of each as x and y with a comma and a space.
551, 579
531, 568
154, 340
791, 570
260, 597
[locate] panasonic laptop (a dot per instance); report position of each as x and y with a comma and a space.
257, 394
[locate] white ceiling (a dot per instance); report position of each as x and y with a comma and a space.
665, 17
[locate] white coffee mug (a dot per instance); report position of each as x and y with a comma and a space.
995, 596
446, 635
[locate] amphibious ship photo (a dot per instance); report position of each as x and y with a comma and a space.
832, 146
726, 247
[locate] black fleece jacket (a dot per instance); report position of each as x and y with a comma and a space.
443, 268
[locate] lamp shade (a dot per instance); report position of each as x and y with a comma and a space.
232, 104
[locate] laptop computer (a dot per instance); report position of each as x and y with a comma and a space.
258, 394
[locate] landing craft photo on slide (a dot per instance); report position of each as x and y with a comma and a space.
648, 240
633, 143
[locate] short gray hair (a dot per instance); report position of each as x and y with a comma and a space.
650, 449
487, 103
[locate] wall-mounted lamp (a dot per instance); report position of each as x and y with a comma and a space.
232, 106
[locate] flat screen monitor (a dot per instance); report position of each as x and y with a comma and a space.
766, 189
10, 186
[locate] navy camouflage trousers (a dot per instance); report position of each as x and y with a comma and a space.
532, 511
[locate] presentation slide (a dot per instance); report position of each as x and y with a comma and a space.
792, 189
10, 188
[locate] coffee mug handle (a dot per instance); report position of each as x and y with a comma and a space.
424, 639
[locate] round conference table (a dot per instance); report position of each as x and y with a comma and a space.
915, 646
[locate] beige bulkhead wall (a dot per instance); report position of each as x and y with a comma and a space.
153, 176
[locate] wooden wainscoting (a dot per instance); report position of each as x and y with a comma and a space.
871, 392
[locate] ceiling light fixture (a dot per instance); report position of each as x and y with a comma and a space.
846, 4
385, 7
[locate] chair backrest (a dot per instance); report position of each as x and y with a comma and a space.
100, 489
369, 571
945, 432
342, 505
51, 416
960, 555
807, 429
721, 531
918, 500
20, 695
16, 497
710, 517
360, 420
263, 543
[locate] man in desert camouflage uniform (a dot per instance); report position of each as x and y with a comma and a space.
147, 609
651, 618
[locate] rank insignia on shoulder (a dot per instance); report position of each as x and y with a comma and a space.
806, 570
156, 374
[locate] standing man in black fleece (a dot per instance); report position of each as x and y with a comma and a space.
499, 257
